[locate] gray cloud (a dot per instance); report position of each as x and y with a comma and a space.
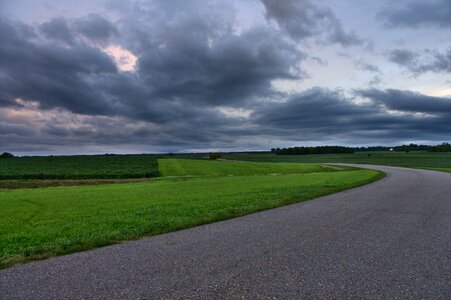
14, 129
330, 115
417, 13
231, 70
366, 66
408, 101
198, 83
53, 74
58, 30
375, 80
176, 65
182, 76
426, 61
403, 56
319, 60
96, 28
317, 114
304, 19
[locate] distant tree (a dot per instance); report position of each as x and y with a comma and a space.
214, 156
444, 147
313, 150
372, 148
6, 155
412, 147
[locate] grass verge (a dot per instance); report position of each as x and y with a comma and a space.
40, 223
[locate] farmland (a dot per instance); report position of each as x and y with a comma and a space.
79, 167
40, 223
440, 161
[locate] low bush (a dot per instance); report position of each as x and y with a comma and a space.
214, 156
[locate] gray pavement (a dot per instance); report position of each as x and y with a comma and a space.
386, 240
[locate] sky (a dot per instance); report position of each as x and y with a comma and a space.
112, 76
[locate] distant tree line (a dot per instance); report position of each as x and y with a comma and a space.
312, 150
412, 147
406, 148
372, 148
6, 155
444, 147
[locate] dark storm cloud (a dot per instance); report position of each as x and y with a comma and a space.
304, 19
5, 98
96, 28
188, 64
183, 59
317, 114
58, 30
52, 74
418, 13
408, 101
329, 114
61, 130
315, 109
194, 55
93, 27
422, 62
14, 129
229, 71
198, 82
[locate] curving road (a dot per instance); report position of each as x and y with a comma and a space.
389, 239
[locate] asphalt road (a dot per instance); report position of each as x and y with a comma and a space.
390, 239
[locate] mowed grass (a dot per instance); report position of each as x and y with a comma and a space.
418, 159
194, 167
8, 184
40, 223
79, 167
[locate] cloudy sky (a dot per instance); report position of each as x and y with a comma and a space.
197, 75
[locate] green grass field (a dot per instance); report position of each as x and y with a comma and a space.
39, 223
79, 167
420, 159
192, 167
